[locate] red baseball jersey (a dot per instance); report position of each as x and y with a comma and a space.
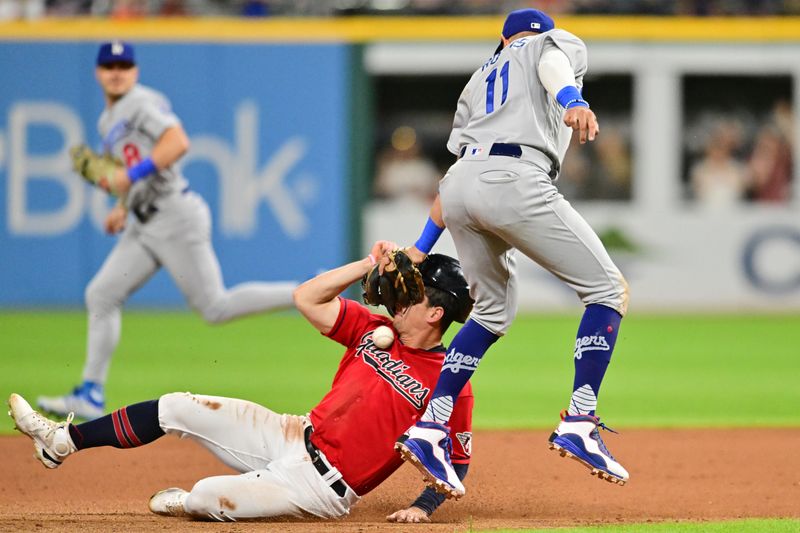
376, 396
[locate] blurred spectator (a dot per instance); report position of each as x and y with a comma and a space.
15, 9
573, 181
21, 9
612, 175
739, 125
129, 9
771, 160
719, 179
600, 170
403, 172
173, 8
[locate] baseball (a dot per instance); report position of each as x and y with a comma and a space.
383, 337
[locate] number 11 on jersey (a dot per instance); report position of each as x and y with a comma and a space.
490, 82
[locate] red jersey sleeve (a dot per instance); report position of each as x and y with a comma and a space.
461, 426
351, 323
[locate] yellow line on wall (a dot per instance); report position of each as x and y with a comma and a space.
369, 29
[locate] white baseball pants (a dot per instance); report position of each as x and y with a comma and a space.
278, 478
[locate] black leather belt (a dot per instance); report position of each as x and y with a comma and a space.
338, 486
508, 150
515, 150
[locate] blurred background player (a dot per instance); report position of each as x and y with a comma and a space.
375, 394
171, 227
512, 127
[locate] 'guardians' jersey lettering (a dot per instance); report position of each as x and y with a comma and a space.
393, 371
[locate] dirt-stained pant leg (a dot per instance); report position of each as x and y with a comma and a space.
242, 434
278, 477
128, 266
181, 237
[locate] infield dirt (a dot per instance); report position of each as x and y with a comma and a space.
514, 482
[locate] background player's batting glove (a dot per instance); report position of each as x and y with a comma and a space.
399, 286
94, 167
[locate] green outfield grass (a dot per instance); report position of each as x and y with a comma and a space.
733, 526
673, 371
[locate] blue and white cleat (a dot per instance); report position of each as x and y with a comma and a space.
578, 437
86, 401
427, 445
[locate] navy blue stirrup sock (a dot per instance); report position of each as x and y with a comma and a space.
597, 336
463, 356
128, 427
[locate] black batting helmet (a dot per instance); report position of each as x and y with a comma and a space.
444, 273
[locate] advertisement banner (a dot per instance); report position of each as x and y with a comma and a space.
680, 260
269, 135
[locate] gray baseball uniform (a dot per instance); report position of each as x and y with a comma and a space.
171, 228
494, 203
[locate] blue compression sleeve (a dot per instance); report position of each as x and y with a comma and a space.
142, 170
430, 234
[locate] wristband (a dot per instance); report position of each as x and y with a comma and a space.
570, 97
578, 102
142, 170
430, 234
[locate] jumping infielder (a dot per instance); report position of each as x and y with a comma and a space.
322, 463
511, 130
171, 227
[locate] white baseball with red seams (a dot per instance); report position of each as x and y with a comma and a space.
383, 337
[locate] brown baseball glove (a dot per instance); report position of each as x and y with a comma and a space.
93, 167
398, 287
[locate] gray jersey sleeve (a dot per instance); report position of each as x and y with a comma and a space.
156, 117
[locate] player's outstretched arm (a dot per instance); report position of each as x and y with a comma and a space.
317, 298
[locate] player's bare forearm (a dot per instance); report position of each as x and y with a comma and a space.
317, 299
436, 212
171, 146
115, 221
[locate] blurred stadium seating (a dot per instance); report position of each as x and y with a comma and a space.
10, 9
